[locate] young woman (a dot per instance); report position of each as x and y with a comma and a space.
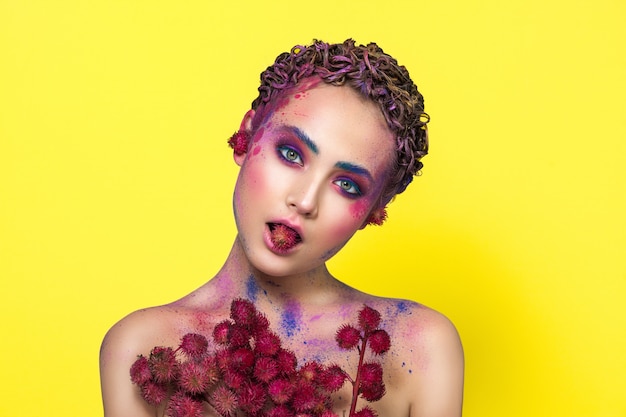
336, 131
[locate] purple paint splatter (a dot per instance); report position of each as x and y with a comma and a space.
290, 318
252, 288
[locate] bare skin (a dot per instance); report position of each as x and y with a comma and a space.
316, 194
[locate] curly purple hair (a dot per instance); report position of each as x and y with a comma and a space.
374, 74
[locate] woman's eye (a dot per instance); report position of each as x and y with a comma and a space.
290, 155
349, 187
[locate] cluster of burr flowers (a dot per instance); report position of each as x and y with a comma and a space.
251, 374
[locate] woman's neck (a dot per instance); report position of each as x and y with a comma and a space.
244, 280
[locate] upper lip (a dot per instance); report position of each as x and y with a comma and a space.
289, 224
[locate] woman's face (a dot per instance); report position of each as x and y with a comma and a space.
315, 169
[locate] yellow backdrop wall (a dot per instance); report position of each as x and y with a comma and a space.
115, 182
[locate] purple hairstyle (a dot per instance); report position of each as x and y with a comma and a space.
375, 75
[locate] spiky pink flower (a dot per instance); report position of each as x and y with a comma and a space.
379, 341
284, 237
239, 142
265, 369
332, 378
371, 374
261, 324
181, 405
163, 363
243, 312
287, 361
267, 343
373, 392
224, 401
305, 397
223, 359
153, 392
211, 369
280, 390
193, 377
366, 412
369, 319
140, 371
238, 336
194, 344
252, 397
310, 371
242, 359
279, 411
348, 337
221, 331
234, 379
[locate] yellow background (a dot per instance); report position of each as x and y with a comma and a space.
115, 182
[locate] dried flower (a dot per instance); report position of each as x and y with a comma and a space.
239, 142
366, 412
224, 401
280, 390
284, 237
348, 337
154, 393
194, 345
333, 378
252, 397
267, 343
369, 319
265, 369
379, 341
221, 331
193, 377
181, 405
251, 374
371, 374
286, 361
163, 364
140, 371
243, 312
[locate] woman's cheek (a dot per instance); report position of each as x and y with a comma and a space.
359, 209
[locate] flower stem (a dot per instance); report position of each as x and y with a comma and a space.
357, 379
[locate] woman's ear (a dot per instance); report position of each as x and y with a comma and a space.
241, 139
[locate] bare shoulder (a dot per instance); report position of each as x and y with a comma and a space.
427, 361
133, 335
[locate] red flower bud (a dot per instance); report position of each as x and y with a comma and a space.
369, 319
366, 412
181, 405
379, 341
348, 337
140, 371
194, 344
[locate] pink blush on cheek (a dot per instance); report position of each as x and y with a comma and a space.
359, 209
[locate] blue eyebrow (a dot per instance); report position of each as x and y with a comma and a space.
354, 168
304, 138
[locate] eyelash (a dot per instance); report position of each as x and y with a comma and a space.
283, 150
353, 194
353, 191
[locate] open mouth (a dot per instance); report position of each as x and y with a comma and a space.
283, 237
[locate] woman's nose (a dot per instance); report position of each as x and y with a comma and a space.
303, 197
